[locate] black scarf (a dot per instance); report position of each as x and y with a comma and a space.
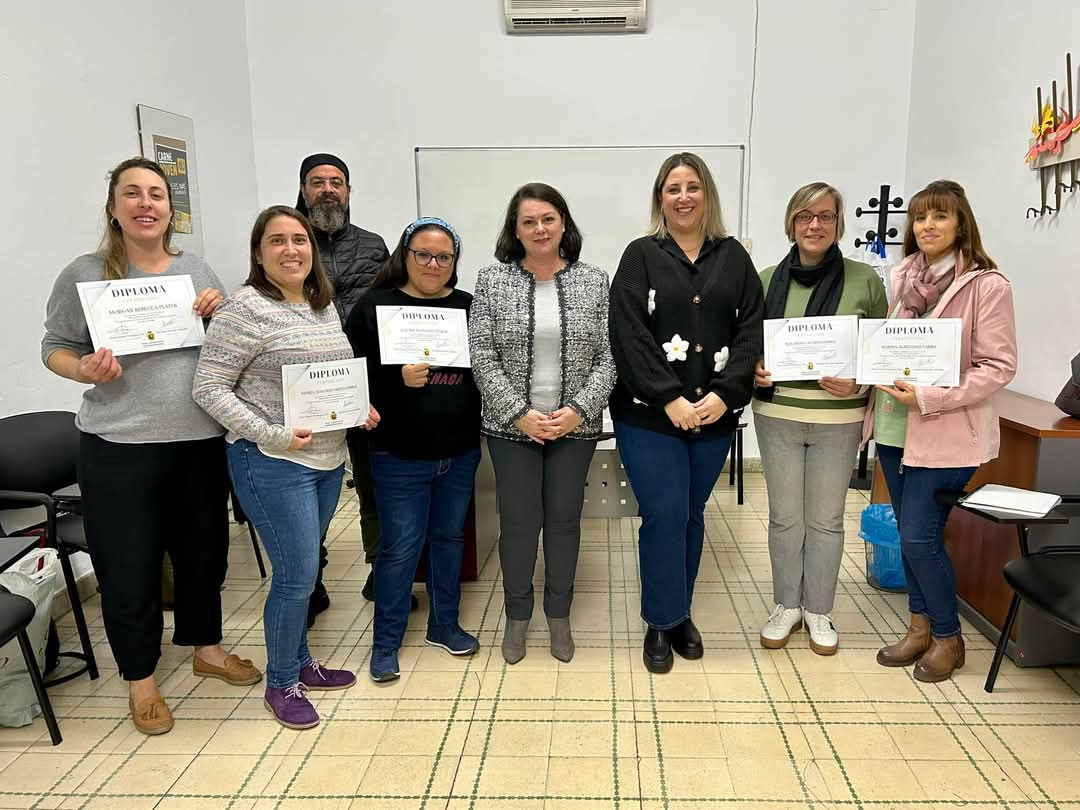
827, 279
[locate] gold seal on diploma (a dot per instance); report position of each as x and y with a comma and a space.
810, 366
907, 372
150, 335
427, 352
333, 416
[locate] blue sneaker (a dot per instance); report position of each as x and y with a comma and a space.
384, 665
452, 638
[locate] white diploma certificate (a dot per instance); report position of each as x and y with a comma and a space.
811, 348
325, 396
135, 315
924, 351
435, 335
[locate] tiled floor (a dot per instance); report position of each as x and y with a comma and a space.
744, 727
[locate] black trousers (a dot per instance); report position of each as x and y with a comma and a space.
540, 487
138, 501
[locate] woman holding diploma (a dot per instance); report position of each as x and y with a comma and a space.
931, 439
425, 451
287, 479
542, 361
686, 310
809, 431
151, 462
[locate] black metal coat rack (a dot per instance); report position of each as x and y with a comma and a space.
883, 207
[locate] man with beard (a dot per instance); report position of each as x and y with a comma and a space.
352, 257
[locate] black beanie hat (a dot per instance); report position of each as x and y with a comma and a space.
309, 163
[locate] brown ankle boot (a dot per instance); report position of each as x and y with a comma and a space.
908, 649
938, 662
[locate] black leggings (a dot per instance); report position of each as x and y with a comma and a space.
138, 501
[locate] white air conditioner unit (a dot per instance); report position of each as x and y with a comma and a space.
574, 16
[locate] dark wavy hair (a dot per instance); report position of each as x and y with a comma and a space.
948, 195
318, 289
508, 247
394, 273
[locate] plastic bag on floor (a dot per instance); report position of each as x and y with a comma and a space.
33, 577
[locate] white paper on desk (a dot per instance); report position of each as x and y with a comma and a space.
1001, 498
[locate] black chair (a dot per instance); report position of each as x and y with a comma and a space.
38, 457
1047, 579
240, 517
735, 464
16, 613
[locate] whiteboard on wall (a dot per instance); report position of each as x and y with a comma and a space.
606, 188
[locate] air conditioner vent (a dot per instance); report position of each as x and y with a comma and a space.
574, 16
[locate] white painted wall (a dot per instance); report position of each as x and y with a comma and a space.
972, 102
71, 74
831, 98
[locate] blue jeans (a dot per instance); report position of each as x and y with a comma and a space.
419, 501
290, 506
672, 478
931, 582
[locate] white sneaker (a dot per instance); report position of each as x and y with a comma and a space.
823, 638
782, 623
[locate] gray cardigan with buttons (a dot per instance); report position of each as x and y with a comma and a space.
501, 345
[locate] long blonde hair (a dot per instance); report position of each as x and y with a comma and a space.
112, 250
712, 223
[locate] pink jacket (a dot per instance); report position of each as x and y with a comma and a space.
958, 427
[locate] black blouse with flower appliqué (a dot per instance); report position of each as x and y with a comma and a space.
708, 313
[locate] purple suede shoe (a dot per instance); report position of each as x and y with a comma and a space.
291, 707
316, 676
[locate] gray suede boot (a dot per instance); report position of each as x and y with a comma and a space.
513, 643
562, 643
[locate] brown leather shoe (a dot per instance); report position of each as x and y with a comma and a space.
236, 672
151, 716
938, 663
908, 649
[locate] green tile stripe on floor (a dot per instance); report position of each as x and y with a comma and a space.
802, 685
611, 670
487, 738
749, 645
338, 699
457, 702
948, 726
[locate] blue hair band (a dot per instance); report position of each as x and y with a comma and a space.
441, 223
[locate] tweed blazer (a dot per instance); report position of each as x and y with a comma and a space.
501, 326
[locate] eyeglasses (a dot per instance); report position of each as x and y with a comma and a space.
423, 258
805, 218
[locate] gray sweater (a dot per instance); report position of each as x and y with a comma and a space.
501, 343
151, 400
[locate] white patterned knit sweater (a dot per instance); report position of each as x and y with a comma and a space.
238, 377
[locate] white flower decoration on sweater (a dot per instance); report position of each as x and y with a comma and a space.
652, 301
720, 358
676, 348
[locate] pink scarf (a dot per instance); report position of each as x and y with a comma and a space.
926, 284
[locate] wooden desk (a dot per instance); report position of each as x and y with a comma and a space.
1039, 450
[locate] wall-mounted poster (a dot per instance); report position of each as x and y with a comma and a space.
171, 155
169, 139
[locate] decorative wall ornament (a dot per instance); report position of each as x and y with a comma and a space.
1054, 142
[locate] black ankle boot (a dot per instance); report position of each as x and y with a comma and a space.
657, 651
686, 640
